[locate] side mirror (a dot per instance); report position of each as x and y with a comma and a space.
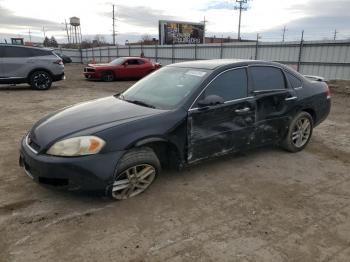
211, 100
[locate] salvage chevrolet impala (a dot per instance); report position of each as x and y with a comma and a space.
181, 114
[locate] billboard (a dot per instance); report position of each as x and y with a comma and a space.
176, 32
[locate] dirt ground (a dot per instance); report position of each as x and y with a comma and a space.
263, 205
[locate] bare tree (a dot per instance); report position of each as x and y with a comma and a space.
146, 38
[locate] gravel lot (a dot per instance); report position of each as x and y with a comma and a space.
263, 205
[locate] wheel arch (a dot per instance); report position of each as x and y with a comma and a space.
167, 152
103, 72
39, 69
312, 112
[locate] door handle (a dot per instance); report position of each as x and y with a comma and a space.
291, 98
243, 110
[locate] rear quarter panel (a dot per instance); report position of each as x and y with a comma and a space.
48, 63
313, 96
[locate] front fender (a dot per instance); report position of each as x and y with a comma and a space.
147, 140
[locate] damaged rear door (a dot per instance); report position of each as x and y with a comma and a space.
275, 103
222, 118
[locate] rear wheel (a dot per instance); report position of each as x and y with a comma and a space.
299, 133
107, 76
137, 170
40, 80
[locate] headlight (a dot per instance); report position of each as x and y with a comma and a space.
77, 146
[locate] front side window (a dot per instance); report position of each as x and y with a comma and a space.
267, 78
166, 88
229, 85
118, 61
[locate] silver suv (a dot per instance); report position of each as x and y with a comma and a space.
36, 66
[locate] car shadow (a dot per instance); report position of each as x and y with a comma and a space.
100, 198
220, 160
117, 80
19, 87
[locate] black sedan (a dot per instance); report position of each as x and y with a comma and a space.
66, 59
176, 116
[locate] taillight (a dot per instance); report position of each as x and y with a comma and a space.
58, 62
328, 92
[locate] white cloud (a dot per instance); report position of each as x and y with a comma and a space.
140, 17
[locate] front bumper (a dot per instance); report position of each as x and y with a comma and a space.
92, 75
85, 173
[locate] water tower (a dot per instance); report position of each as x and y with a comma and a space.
75, 30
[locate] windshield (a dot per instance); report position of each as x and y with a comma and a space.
118, 61
166, 88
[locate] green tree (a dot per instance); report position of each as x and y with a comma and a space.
53, 42
46, 42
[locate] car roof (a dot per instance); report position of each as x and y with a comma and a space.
133, 57
217, 63
26, 46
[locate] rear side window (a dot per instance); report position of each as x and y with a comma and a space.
230, 85
40, 52
140, 62
267, 78
133, 62
15, 51
293, 80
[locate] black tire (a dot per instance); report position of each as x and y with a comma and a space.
289, 143
40, 80
107, 76
137, 157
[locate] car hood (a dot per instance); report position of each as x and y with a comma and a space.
87, 118
99, 65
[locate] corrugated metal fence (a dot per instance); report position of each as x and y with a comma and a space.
330, 59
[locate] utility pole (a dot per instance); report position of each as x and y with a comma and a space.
30, 36
240, 8
204, 23
44, 31
300, 50
257, 46
113, 26
67, 31
284, 33
335, 34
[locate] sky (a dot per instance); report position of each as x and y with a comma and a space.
135, 18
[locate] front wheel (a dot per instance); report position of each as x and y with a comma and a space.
136, 171
299, 133
107, 76
40, 80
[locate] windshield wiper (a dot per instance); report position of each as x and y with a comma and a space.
141, 103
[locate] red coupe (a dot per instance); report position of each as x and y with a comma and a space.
122, 67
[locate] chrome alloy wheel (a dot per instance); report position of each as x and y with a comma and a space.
133, 181
41, 80
301, 132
